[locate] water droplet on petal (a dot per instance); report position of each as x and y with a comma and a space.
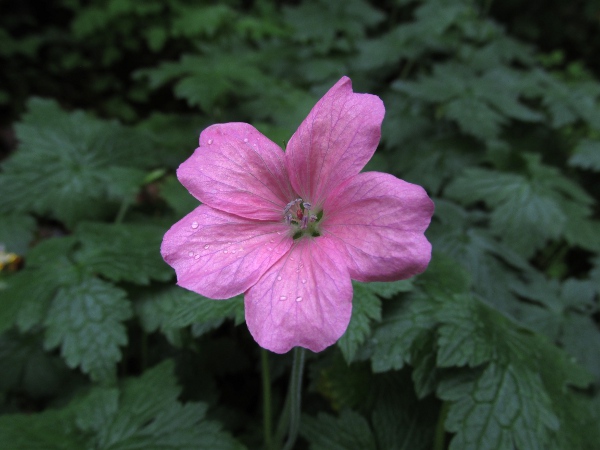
283, 297
194, 225
270, 249
278, 278
209, 141
206, 247
298, 299
245, 139
224, 251
291, 259
191, 254
279, 232
197, 257
303, 281
271, 241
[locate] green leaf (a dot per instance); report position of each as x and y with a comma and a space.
202, 20
502, 408
85, 320
122, 252
511, 399
66, 163
130, 418
587, 155
178, 197
42, 431
366, 307
121, 418
401, 326
173, 308
27, 368
16, 232
28, 293
526, 211
349, 431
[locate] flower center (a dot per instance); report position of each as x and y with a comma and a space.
303, 219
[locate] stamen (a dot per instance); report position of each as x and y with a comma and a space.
304, 222
306, 205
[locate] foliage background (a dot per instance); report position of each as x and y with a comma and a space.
491, 106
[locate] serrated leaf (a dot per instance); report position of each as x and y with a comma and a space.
350, 431
85, 320
510, 400
121, 418
502, 408
400, 327
130, 418
61, 167
526, 213
366, 307
27, 294
122, 252
173, 308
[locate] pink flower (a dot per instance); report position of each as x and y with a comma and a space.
290, 230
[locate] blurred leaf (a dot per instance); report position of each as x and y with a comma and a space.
349, 431
16, 232
526, 211
587, 155
28, 368
178, 197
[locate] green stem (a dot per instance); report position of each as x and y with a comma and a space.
295, 396
439, 439
266, 384
122, 210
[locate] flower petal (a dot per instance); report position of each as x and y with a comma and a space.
304, 300
220, 255
380, 219
334, 142
238, 170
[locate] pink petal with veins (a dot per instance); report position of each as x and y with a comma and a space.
220, 255
334, 142
238, 170
304, 300
380, 220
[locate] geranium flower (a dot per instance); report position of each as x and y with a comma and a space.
291, 229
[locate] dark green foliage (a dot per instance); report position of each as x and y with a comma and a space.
493, 107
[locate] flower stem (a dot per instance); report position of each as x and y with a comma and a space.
266, 384
439, 439
295, 397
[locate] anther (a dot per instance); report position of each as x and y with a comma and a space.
306, 205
